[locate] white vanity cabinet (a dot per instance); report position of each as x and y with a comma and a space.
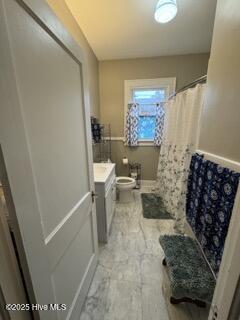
105, 187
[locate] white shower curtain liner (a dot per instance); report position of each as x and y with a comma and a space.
180, 135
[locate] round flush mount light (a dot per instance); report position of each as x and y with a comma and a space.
165, 11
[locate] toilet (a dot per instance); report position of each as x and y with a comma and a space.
125, 186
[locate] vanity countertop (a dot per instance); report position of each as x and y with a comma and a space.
102, 171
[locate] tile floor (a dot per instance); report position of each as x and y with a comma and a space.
129, 280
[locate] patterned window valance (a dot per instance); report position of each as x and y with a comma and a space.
132, 125
160, 113
132, 121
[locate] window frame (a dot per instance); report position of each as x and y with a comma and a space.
169, 84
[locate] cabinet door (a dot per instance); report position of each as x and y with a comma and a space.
114, 196
110, 201
108, 208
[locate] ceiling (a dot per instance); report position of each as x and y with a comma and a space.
127, 29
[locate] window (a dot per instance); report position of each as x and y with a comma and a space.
147, 93
147, 100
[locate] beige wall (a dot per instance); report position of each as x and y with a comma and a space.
147, 156
220, 130
61, 10
112, 75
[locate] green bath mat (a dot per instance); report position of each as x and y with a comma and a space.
189, 272
153, 207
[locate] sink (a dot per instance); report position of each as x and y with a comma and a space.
102, 171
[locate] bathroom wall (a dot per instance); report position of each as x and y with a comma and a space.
61, 10
220, 126
112, 75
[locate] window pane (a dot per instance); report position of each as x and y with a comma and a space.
148, 96
147, 100
147, 110
147, 127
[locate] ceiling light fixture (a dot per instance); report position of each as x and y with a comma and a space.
165, 10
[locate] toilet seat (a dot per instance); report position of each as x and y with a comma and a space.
125, 186
125, 181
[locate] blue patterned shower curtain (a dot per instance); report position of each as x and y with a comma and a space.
159, 125
210, 199
131, 127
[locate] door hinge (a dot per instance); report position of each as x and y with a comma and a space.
94, 196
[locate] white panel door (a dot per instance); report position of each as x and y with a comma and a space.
45, 137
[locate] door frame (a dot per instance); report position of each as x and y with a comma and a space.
40, 11
11, 281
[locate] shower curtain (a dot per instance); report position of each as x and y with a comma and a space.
180, 134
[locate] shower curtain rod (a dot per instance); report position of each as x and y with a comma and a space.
190, 85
